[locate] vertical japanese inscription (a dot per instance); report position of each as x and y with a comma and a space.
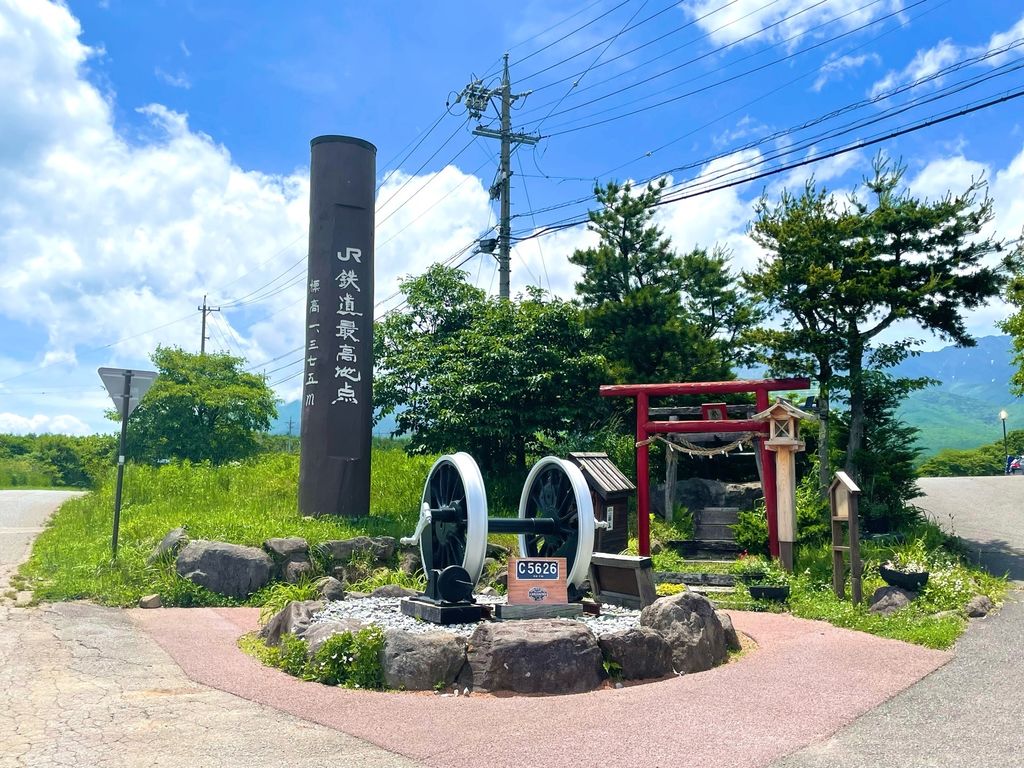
337, 396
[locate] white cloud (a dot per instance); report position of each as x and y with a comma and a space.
781, 20
836, 67
13, 423
179, 80
930, 61
103, 239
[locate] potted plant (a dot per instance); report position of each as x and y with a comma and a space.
904, 573
749, 569
771, 584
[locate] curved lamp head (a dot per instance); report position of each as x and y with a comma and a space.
1003, 414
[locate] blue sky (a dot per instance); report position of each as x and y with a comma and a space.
154, 152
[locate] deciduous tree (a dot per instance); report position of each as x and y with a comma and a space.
464, 372
201, 408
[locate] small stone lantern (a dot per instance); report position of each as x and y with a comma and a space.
784, 440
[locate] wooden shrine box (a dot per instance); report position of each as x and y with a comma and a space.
610, 491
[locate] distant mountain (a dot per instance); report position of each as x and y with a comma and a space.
293, 411
962, 411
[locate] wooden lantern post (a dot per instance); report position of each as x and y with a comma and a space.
784, 441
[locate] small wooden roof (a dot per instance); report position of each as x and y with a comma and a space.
601, 474
772, 411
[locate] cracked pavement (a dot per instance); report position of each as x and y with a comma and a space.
81, 685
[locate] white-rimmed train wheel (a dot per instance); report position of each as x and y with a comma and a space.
556, 488
455, 481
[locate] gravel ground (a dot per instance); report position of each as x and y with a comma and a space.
387, 613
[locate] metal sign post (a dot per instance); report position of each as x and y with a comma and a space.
126, 388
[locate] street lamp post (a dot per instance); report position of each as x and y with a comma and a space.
1002, 417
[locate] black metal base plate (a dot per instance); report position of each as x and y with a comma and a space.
444, 614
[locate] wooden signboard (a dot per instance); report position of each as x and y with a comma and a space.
537, 588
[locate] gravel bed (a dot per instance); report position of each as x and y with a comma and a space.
387, 613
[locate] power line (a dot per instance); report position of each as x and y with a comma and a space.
767, 94
861, 144
584, 73
823, 118
659, 38
567, 35
589, 48
570, 128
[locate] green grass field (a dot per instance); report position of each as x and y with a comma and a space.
244, 503
247, 503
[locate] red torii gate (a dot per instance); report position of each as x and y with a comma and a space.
645, 428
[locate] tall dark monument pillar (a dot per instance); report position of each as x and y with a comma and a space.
337, 405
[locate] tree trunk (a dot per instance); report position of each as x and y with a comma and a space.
824, 464
856, 438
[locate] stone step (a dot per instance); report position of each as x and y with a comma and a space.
719, 515
694, 579
705, 589
713, 532
708, 549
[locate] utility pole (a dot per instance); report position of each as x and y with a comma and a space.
478, 99
203, 337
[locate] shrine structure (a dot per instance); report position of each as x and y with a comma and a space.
646, 430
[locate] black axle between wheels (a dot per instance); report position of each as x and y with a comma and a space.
535, 525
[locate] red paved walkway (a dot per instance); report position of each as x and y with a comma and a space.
805, 681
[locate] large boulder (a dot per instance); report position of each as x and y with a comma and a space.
421, 661
293, 619
409, 561
330, 588
169, 545
378, 550
317, 634
291, 558
690, 625
887, 600
979, 606
227, 569
732, 640
533, 656
640, 653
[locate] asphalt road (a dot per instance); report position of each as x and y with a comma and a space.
22, 516
83, 686
971, 711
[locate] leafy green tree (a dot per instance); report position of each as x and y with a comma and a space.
837, 277
718, 306
632, 288
887, 457
1014, 324
201, 408
462, 371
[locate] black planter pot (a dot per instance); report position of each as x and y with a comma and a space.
777, 592
911, 581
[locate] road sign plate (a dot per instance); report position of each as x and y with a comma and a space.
113, 380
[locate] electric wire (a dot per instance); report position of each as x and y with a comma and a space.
816, 70
669, 33
938, 75
383, 204
857, 145
569, 127
567, 59
583, 74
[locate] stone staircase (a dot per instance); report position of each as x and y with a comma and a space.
713, 537
713, 543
